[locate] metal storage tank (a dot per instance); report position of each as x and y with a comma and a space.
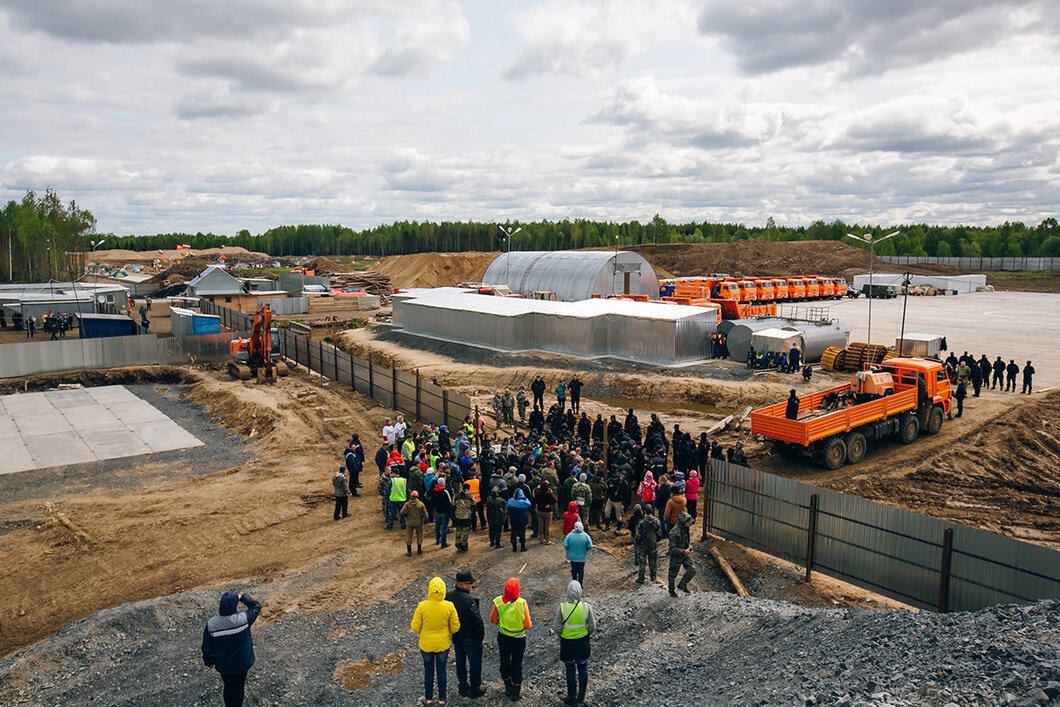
776, 340
739, 336
574, 275
817, 337
725, 325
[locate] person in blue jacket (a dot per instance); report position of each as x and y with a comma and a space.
577, 544
518, 517
227, 645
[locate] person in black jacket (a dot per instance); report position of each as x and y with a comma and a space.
538, 389
792, 410
468, 640
598, 429
1028, 374
228, 646
354, 456
999, 374
1011, 370
381, 455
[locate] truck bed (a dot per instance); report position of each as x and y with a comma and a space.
771, 423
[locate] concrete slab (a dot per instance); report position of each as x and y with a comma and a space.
92, 417
14, 456
113, 443
26, 402
59, 449
1014, 325
56, 428
61, 399
113, 394
38, 424
8, 428
164, 435
136, 412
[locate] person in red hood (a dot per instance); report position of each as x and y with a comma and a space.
511, 616
570, 518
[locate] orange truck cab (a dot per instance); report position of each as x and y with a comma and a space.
796, 288
766, 292
748, 291
725, 289
826, 287
899, 398
780, 289
813, 288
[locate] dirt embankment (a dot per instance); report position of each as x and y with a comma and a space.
117, 256
770, 258
435, 269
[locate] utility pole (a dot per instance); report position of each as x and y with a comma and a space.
508, 232
868, 238
907, 280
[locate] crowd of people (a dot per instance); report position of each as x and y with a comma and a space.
967, 371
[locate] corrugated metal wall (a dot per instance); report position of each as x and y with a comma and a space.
889, 550
573, 275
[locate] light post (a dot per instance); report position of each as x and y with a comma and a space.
508, 232
907, 281
95, 244
868, 238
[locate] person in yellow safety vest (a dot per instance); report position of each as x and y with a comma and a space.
476, 493
408, 449
397, 498
575, 620
511, 616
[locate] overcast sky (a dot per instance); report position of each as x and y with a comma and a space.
217, 115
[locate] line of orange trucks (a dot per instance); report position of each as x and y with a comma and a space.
746, 297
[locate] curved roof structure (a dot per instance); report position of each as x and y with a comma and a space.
574, 274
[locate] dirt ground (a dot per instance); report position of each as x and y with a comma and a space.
1035, 281
269, 517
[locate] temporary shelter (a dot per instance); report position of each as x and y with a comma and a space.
574, 275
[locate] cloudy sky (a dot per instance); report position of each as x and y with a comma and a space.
218, 115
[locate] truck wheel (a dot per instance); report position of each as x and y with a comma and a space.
908, 429
856, 447
834, 452
934, 422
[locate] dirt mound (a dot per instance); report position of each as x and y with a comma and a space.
326, 266
181, 271
435, 269
769, 258
1003, 478
97, 377
118, 255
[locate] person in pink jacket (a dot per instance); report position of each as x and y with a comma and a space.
647, 489
692, 493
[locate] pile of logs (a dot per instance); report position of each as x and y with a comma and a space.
372, 282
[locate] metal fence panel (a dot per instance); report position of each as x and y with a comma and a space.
201, 349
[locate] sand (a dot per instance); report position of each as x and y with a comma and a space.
435, 269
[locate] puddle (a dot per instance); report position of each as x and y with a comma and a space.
645, 407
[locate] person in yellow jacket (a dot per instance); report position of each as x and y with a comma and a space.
435, 621
511, 616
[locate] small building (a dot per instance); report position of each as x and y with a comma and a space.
188, 322
214, 281
256, 284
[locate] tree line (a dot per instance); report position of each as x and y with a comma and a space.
41, 237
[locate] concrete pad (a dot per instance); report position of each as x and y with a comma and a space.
61, 399
92, 417
113, 394
26, 402
164, 435
14, 456
59, 449
8, 428
113, 443
39, 424
136, 412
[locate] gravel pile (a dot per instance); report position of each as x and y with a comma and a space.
710, 648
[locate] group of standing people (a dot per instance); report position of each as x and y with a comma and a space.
452, 619
967, 371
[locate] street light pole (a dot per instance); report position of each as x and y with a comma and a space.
508, 233
868, 238
907, 280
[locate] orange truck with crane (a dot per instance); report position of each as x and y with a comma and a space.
899, 398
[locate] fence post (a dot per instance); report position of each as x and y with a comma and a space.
371, 381
336, 354
811, 536
418, 416
478, 438
393, 387
944, 570
320, 356
705, 492
445, 407
710, 496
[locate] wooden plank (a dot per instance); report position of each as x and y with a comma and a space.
727, 569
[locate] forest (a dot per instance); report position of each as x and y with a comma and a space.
40, 237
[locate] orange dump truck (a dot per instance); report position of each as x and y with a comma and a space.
896, 399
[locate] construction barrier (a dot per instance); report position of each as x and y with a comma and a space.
917, 559
978, 264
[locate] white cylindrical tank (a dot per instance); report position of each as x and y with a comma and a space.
817, 337
739, 336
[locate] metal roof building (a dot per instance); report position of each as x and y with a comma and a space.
641, 331
574, 274
214, 281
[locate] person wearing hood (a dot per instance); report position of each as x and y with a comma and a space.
646, 490
692, 493
511, 616
681, 554
582, 494
496, 511
227, 644
646, 536
518, 517
435, 621
577, 545
570, 518
575, 622
546, 501
342, 493
414, 515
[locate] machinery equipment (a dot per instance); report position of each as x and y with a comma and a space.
253, 356
900, 398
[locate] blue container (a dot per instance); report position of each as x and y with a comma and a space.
98, 326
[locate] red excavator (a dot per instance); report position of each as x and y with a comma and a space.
253, 356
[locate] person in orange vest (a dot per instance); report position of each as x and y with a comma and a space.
511, 616
476, 493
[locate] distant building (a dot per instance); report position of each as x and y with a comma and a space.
214, 281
